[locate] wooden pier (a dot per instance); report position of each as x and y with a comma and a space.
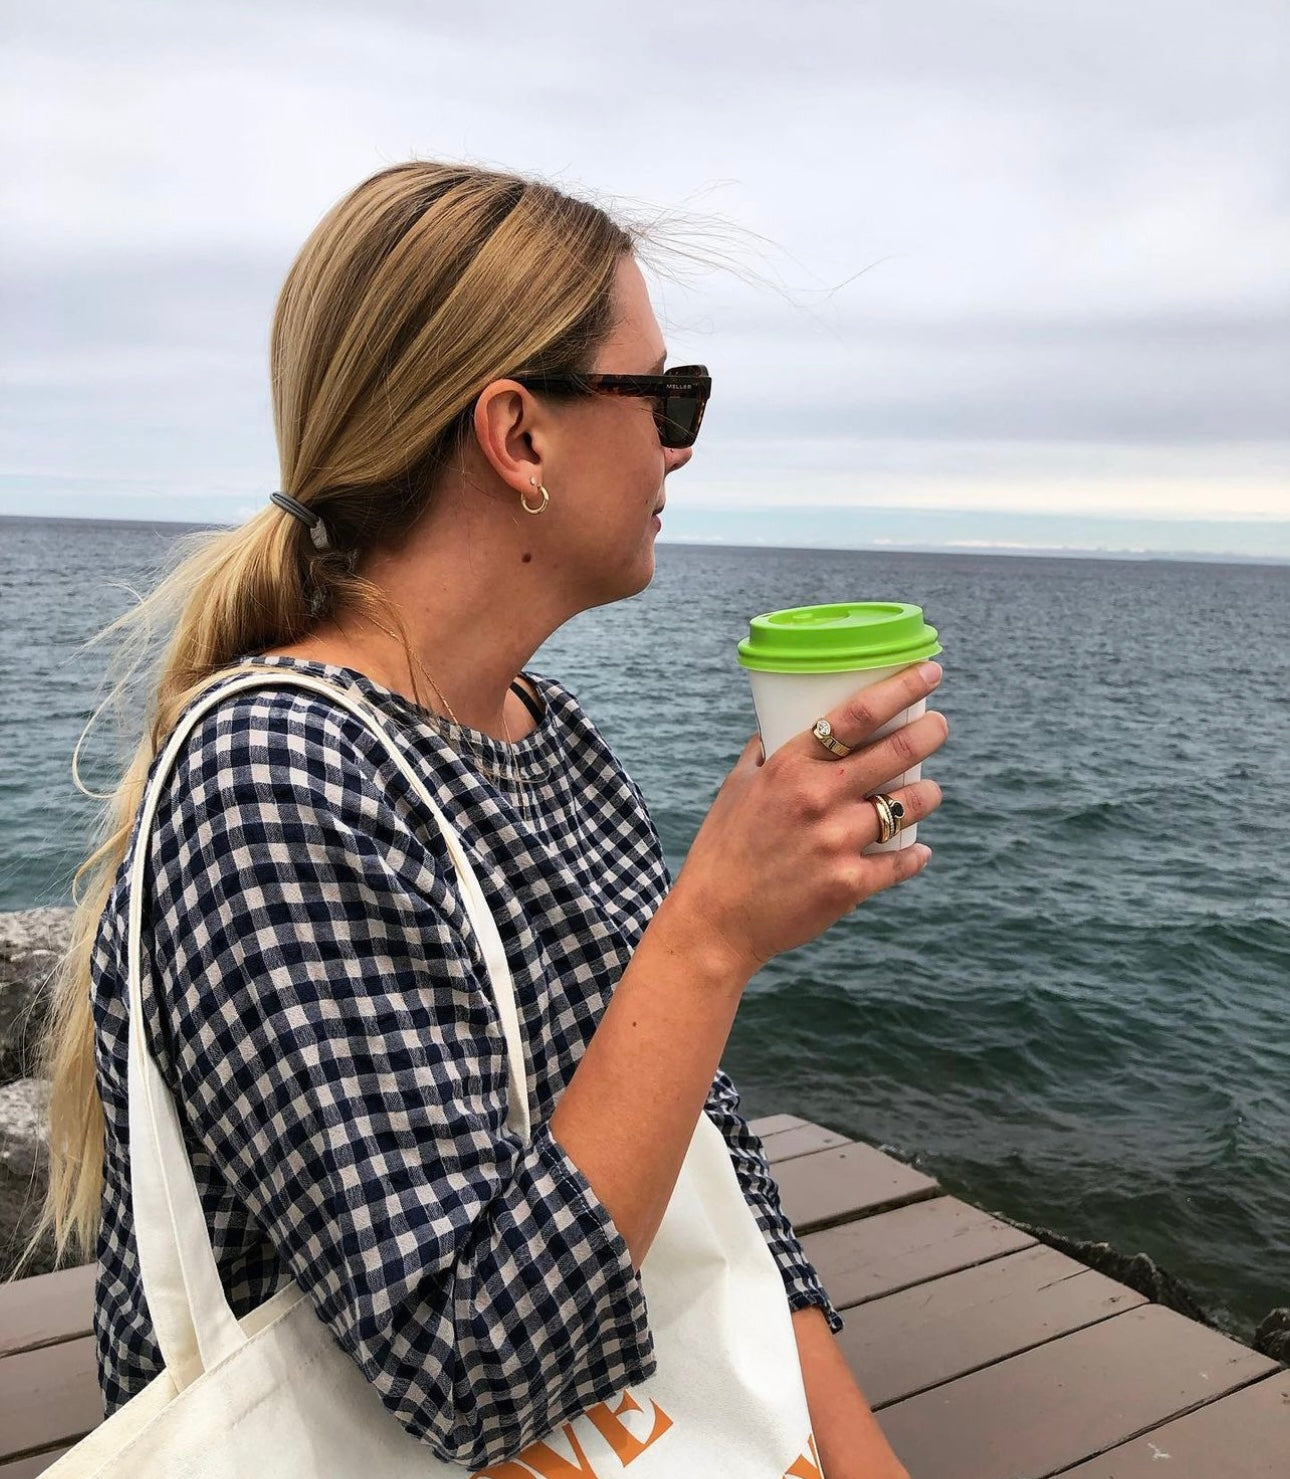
986, 1355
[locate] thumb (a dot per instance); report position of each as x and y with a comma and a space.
752, 755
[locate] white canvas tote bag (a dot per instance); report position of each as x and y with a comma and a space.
274, 1391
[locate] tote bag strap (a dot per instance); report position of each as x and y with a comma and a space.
194, 1325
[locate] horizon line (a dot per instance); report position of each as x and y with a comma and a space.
881, 546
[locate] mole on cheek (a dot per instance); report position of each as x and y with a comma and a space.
527, 558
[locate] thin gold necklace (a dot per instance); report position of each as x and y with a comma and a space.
483, 764
440, 695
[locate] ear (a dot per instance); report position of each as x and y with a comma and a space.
513, 431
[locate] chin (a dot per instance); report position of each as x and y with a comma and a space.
642, 578
618, 565
626, 581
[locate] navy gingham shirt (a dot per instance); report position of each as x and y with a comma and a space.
318, 1004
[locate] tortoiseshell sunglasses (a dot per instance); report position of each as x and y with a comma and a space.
679, 396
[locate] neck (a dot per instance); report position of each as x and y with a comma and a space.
473, 609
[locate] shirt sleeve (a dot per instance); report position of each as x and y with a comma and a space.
339, 1057
748, 1156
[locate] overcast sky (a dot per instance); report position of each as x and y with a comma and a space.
1012, 259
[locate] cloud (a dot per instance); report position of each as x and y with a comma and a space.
982, 226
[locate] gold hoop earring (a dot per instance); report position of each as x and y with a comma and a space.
546, 498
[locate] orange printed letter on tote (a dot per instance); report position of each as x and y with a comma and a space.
541, 1459
548, 1464
806, 1465
611, 1427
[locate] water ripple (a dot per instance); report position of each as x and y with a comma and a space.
1077, 1015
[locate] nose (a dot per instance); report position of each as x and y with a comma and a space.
674, 457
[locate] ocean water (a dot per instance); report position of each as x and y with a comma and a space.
1079, 1015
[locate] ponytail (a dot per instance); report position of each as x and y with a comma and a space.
415, 291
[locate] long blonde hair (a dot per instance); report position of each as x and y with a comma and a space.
417, 289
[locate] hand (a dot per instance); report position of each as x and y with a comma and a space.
779, 856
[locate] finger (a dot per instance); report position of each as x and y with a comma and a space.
882, 870
862, 713
875, 765
919, 801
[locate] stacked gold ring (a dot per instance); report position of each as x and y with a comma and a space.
890, 814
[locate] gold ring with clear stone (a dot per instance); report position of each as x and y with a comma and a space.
823, 731
890, 813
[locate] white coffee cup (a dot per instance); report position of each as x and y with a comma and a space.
807, 660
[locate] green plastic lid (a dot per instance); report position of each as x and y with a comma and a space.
837, 639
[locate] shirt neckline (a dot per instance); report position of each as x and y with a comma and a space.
477, 744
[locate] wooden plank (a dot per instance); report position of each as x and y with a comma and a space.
851, 1181
1069, 1400
48, 1396
934, 1332
878, 1255
802, 1141
1244, 1436
772, 1124
47, 1308
29, 1468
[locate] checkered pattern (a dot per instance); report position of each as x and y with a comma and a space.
317, 1001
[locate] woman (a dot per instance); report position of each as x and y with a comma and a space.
316, 1000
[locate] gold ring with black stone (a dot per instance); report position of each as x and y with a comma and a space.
890, 814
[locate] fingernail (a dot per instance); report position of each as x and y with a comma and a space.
931, 672
924, 852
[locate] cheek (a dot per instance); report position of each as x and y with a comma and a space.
623, 465
631, 470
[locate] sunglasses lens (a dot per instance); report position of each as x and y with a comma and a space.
678, 419
675, 417
680, 413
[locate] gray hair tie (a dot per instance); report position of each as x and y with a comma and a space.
312, 521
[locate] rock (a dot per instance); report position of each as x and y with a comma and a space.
1272, 1337
23, 1132
24, 1175
30, 945
35, 930
31, 942
1135, 1270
